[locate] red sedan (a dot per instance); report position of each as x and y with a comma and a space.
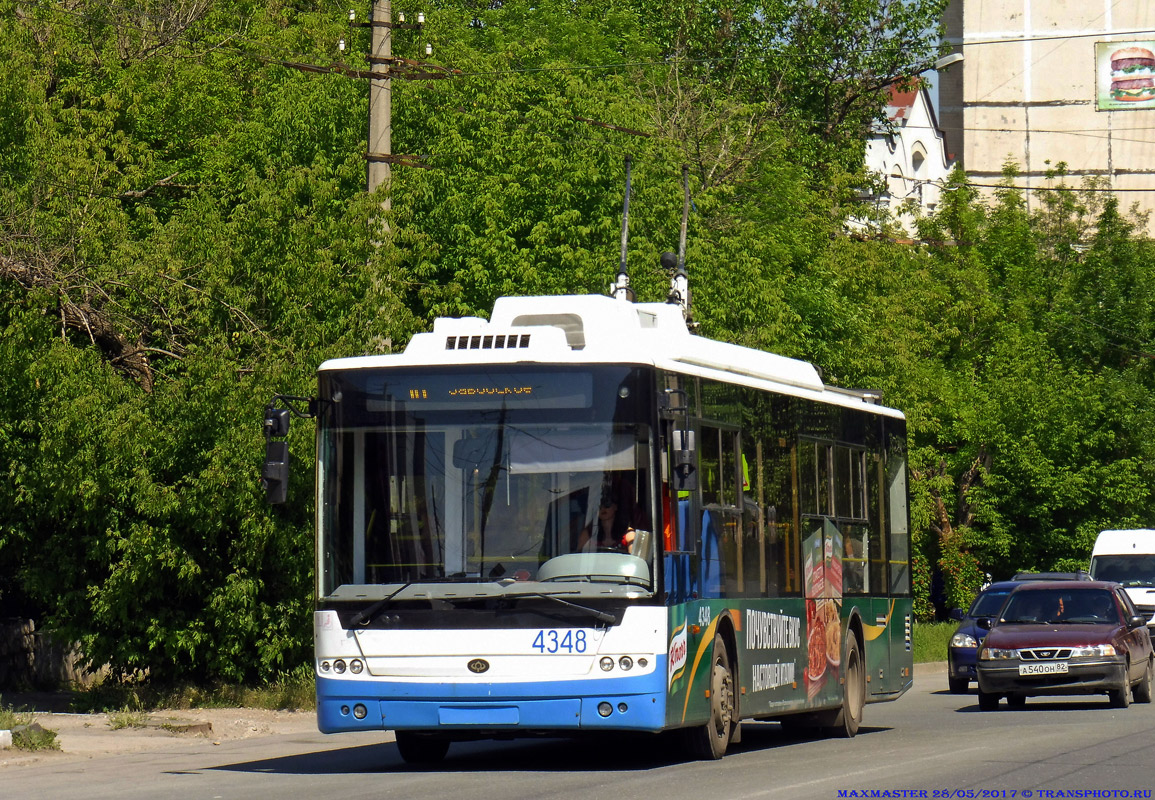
1066, 637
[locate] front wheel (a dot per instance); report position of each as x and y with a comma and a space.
958, 685
988, 702
709, 741
418, 748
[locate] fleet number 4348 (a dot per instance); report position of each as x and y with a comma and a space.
570, 641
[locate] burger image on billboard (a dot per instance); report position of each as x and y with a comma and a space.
1133, 75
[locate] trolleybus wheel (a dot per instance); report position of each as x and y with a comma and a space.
418, 748
709, 741
853, 690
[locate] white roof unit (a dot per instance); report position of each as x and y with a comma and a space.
575, 329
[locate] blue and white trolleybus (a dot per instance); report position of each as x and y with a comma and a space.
579, 517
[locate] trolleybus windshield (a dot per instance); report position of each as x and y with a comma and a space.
463, 484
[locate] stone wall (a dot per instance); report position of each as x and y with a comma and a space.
30, 659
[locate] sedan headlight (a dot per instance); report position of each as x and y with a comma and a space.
963, 640
1093, 650
996, 654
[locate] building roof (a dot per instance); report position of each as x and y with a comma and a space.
900, 109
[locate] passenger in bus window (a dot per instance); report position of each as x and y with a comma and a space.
852, 567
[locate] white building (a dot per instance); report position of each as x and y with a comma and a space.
911, 153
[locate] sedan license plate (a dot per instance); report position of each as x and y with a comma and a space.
1046, 668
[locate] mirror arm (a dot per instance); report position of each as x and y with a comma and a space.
275, 471
311, 404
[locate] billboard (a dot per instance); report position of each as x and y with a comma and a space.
1125, 75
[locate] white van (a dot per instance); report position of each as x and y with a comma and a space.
1128, 558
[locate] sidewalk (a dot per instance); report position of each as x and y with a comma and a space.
85, 736
930, 668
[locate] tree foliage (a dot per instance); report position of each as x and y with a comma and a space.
184, 232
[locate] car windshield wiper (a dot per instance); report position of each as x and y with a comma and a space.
598, 614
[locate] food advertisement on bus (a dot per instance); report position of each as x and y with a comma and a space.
823, 580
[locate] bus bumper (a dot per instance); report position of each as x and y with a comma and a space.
344, 705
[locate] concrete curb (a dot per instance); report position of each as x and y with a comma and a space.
5, 740
930, 668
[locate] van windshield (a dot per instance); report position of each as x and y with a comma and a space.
1129, 570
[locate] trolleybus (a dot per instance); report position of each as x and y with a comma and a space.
760, 568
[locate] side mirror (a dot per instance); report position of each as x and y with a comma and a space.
684, 457
276, 422
985, 622
275, 473
957, 614
1136, 621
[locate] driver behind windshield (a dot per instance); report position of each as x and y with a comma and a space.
612, 529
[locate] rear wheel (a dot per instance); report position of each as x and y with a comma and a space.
709, 741
988, 702
1142, 691
418, 748
958, 685
853, 690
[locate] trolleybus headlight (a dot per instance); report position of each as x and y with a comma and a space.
623, 708
325, 666
643, 663
359, 711
625, 662
607, 664
339, 666
355, 666
605, 709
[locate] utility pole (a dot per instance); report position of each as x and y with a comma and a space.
380, 170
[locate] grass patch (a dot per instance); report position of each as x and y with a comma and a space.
119, 720
930, 640
289, 691
27, 734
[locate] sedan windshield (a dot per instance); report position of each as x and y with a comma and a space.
988, 603
1055, 606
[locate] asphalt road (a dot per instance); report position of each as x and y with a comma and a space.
928, 744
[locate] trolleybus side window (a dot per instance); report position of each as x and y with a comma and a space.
898, 527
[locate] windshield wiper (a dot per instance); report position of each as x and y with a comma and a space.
601, 616
363, 617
